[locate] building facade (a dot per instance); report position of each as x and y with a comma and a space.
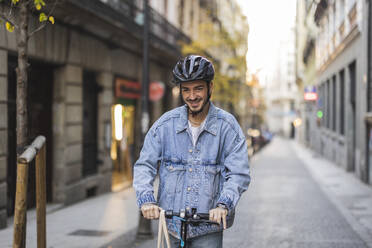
339, 120
80, 68
281, 90
306, 77
85, 91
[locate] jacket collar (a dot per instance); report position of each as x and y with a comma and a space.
210, 124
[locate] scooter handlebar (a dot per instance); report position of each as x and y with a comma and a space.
196, 216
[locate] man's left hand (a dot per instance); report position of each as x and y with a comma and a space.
217, 214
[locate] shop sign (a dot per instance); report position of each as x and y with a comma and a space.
310, 93
156, 91
127, 89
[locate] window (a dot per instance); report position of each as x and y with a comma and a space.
181, 14
342, 102
334, 103
352, 74
328, 107
341, 11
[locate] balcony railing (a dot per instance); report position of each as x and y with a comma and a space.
129, 16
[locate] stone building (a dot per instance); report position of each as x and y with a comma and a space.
281, 90
340, 128
368, 116
80, 67
306, 78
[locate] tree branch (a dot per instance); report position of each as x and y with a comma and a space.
8, 19
45, 22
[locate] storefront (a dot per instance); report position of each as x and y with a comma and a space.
127, 92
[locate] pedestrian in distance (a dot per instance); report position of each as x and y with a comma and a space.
200, 154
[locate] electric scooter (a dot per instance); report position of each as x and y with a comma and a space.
186, 218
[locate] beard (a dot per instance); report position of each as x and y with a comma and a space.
194, 113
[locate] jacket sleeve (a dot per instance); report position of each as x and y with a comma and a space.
237, 174
145, 169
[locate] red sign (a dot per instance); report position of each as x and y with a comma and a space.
127, 89
156, 91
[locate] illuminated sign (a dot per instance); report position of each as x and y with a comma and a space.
127, 89
310, 96
310, 93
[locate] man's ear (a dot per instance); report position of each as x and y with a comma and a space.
211, 87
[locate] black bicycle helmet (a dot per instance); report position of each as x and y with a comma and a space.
191, 68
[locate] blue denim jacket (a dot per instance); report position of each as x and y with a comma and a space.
215, 170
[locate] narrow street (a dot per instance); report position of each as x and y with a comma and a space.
296, 199
286, 206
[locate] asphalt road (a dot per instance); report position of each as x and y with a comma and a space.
283, 207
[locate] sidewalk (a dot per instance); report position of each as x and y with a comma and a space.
90, 223
352, 197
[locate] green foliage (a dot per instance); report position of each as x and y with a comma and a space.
215, 40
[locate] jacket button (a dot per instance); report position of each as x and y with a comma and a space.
190, 169
188, 188
190, 150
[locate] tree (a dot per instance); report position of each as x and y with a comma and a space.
214, 39
15, 15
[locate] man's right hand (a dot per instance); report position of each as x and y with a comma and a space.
150, 211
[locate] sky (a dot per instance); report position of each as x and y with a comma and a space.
269, 21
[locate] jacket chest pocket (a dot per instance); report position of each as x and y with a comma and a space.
174, 179
211, 180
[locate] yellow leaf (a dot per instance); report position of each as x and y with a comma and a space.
15, 1
42, 17
38, 6
51, 19
9, 27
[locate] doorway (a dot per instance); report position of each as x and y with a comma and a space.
351, 151
39, 102
122, 149
90, 123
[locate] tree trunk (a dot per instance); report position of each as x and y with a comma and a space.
22, 120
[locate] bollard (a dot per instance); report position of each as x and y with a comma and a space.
41, 198
19, 238
37, 148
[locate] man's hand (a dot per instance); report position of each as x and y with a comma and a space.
217, 214
150, 211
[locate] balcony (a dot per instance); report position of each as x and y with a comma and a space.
120, 18
320, 9
353, 16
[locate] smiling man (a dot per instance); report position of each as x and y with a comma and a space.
202, 157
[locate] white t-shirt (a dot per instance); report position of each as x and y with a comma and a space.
195, 131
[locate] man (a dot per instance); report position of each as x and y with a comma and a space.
201, 156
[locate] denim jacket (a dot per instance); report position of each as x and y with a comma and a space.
215, 170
